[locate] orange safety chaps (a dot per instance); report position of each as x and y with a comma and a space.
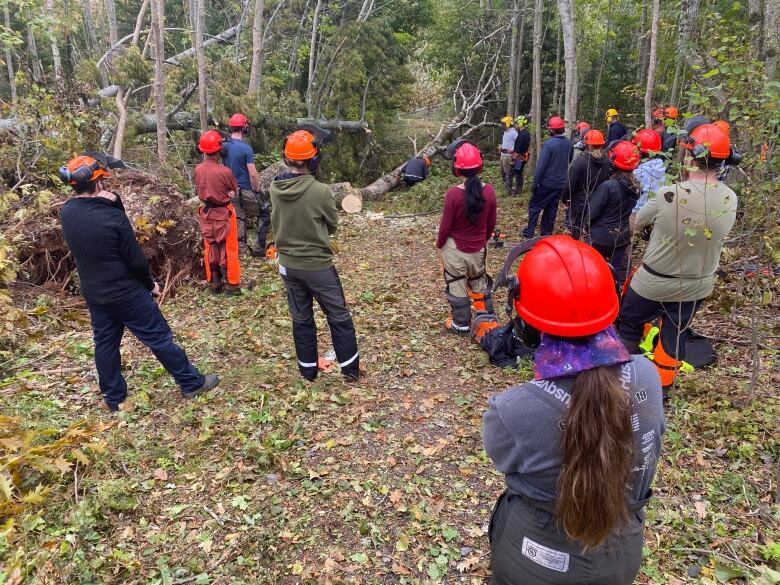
220, 246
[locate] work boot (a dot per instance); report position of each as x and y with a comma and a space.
209, 383
215, 287
232, 290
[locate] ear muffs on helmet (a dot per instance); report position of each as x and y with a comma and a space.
80, 175
312, 163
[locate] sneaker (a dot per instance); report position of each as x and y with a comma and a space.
209, 383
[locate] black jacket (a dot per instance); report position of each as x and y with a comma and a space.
586, 173
610, 209
415, 168
668, 141
617, 131
111, 265
523, 141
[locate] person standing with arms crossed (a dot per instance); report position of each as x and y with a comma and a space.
506, 149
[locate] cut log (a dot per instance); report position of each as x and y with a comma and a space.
347, 197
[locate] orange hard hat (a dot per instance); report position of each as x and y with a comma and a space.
237, 121
723, 125
594, 138
671, 112
708, 140
210, 142
582, 126
300, 145
658, 114
647, 140
624, 155
83, 169
566, 288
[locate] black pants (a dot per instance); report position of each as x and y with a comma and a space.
303, 286
636, 310
527, 547
252, 212
616, 256
544, 202
141, 315
517, 173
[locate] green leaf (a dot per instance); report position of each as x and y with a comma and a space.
711, 73
691, 232
402, 543
239, 502
449, 533
359, 558
434, 572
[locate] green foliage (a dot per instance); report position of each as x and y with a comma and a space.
132, 69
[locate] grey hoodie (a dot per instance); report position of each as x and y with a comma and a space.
523, 432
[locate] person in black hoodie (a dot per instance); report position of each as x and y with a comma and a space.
116, 282
586, 173
616, 130
610, 208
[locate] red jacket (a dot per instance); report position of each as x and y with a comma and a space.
469, 237
215, 184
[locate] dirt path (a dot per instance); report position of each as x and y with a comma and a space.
272, 480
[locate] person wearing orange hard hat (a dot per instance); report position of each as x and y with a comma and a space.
586, 173
663, 119
687, 223
216, 187
303, 218
251, 205
579, 444
549, 178
116, 281
651, 172
608, 228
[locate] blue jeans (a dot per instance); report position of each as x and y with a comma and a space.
141, 315
544, 202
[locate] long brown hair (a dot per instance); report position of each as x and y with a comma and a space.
597, 458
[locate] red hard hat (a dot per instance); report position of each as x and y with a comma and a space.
300, 145
582, 126
647, 141
708, 139
237, 121
210, 142
556, 123
566, 288
658, 114
467, 157
625, 155
594, 138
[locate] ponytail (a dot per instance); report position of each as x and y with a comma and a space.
597, 458
474, 200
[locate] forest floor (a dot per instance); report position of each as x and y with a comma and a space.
269, 479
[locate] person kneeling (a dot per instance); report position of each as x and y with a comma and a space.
579, 444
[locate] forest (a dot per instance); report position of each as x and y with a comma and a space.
273, 479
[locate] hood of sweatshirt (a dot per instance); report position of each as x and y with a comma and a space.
599, 161
289, 187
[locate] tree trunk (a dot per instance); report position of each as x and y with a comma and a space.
771, 37
113, 31
596, 96
536, 85
35, 61
293, 65
55, 47
557, 84
566, 10
89, 26
9, 59
257, 47
652, 63
640, 45
310, 101
519, 60
158, 24
139, 22
755, 18
511, 98
200, 56
119, 135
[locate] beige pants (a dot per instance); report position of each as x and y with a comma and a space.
471, 266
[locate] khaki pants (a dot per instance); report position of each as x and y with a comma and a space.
471, 266
507, 171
